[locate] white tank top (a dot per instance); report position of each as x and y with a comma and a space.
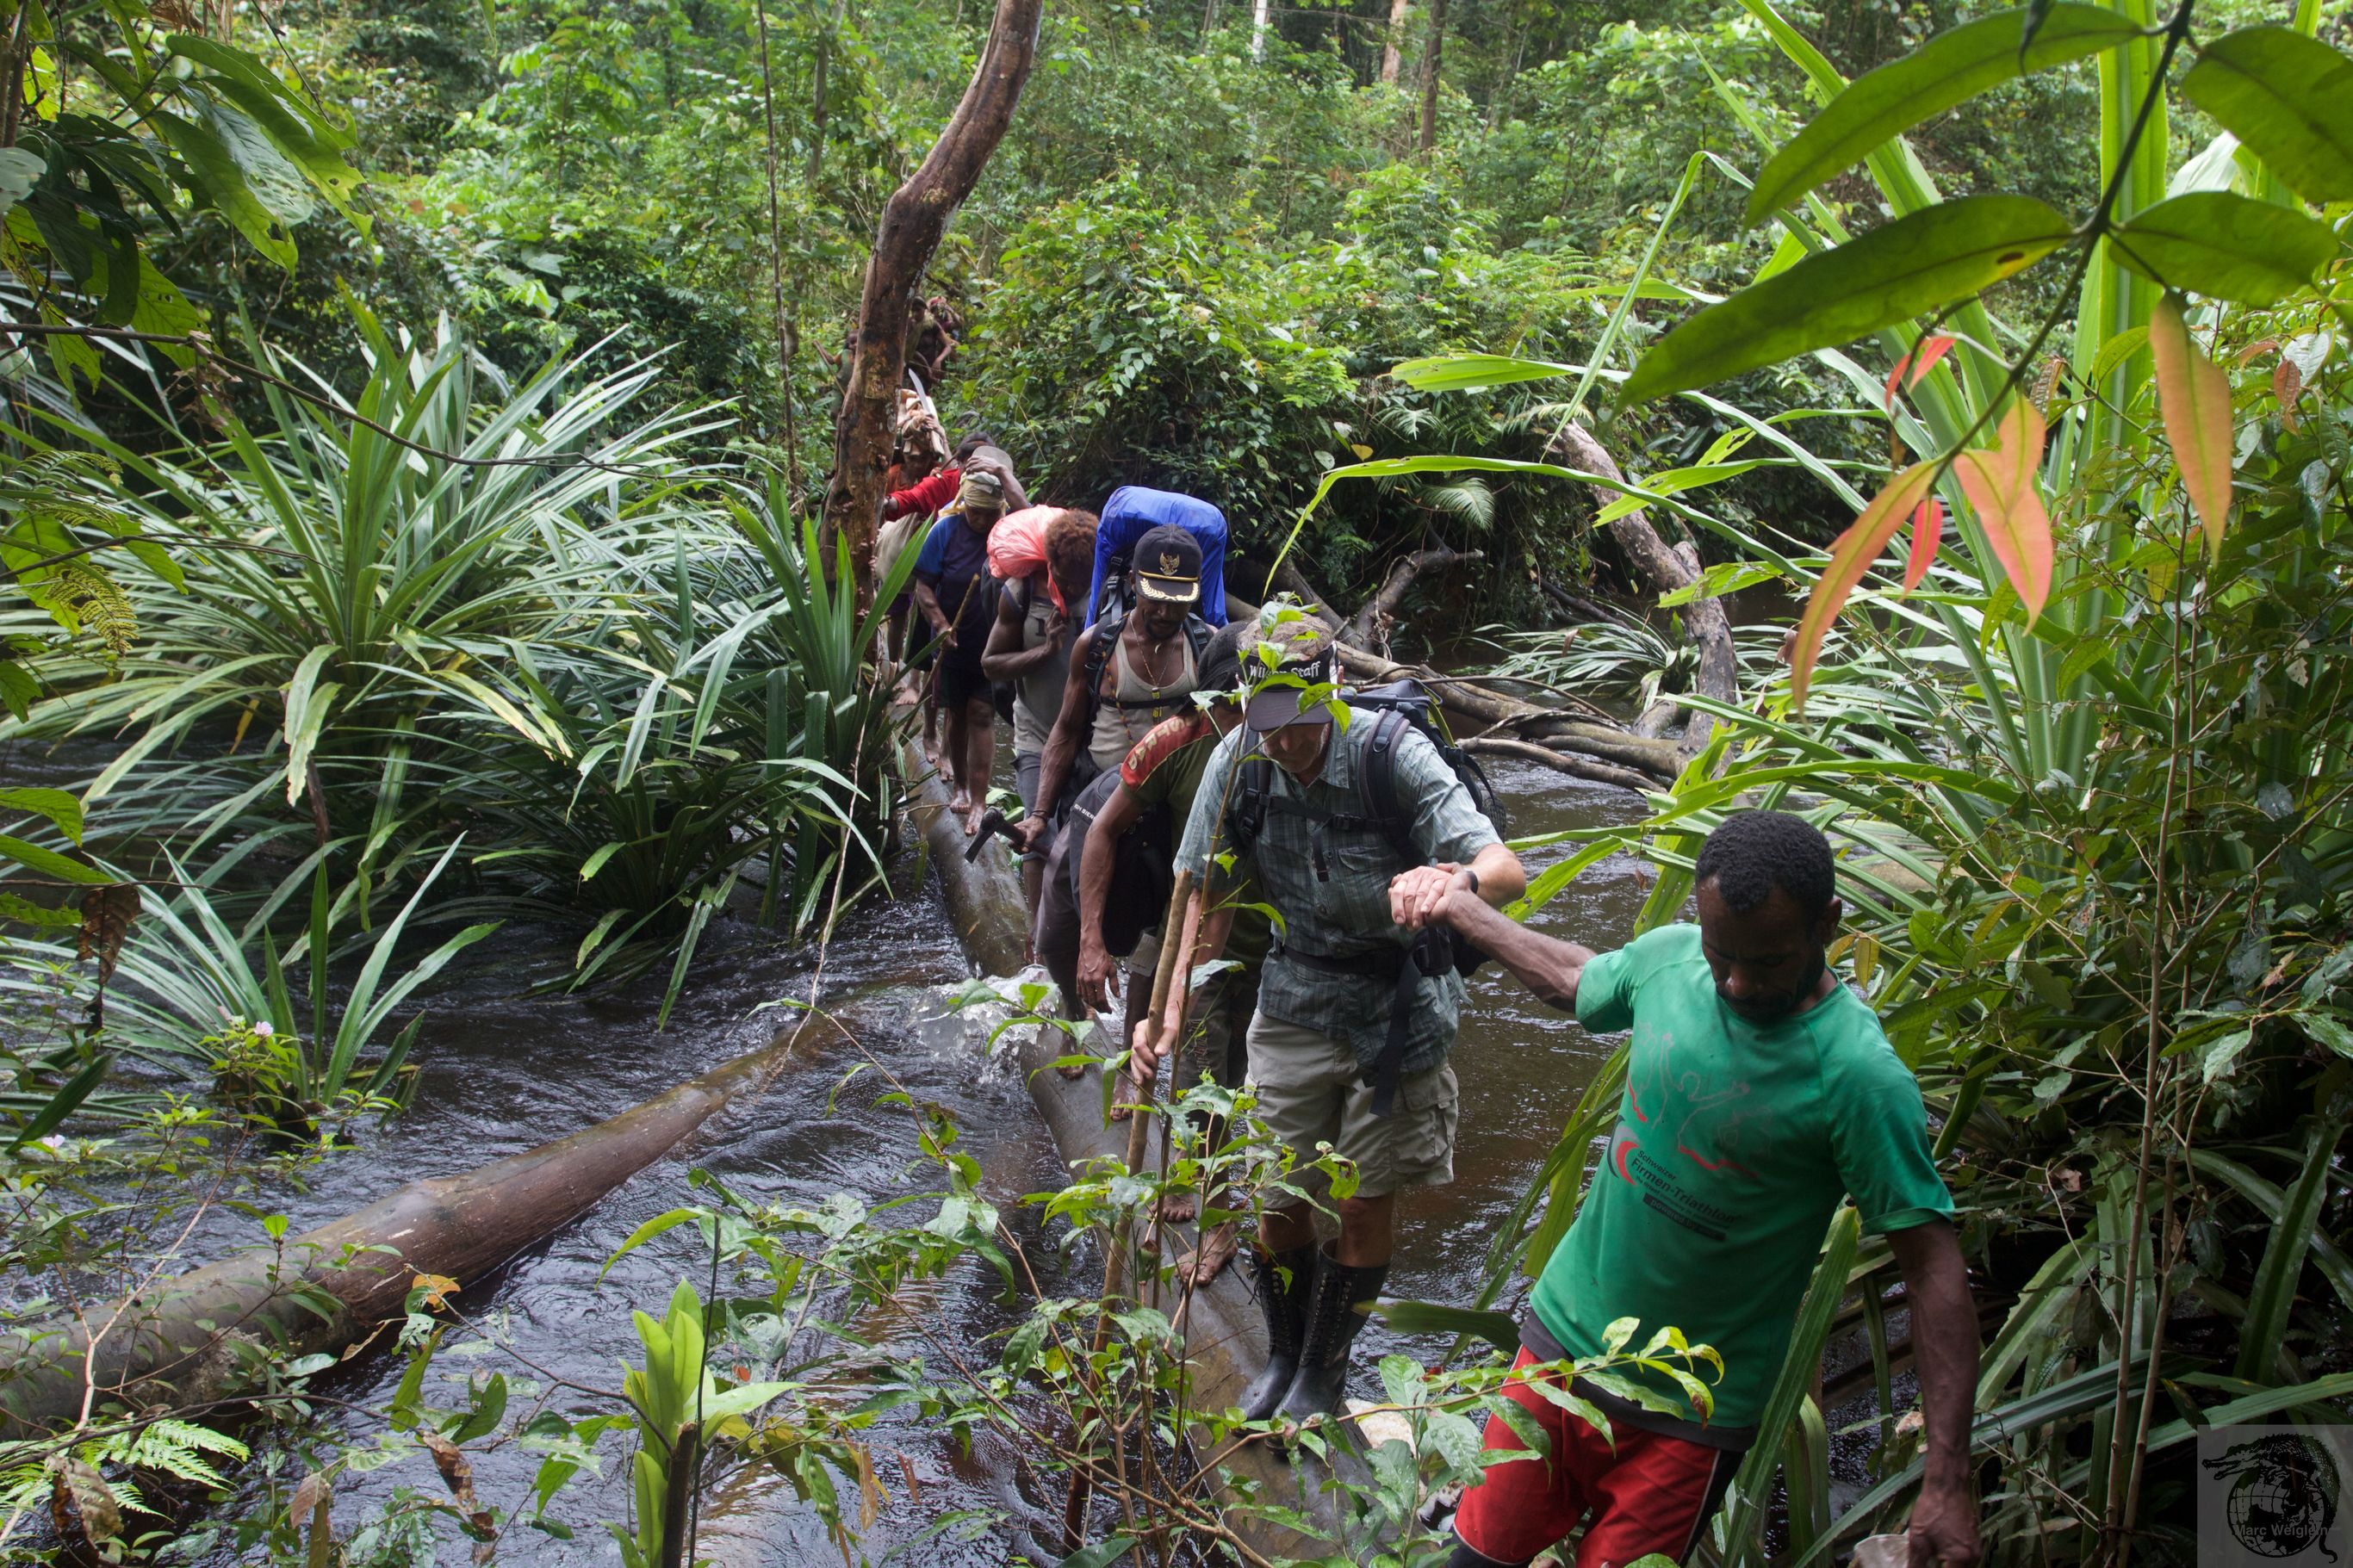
1134, 705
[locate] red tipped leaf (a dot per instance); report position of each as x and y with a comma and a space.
2194, 395
1928, 532
1851, 557
2002, 485
1919, 361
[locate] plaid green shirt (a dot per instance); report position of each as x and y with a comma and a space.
1341, 910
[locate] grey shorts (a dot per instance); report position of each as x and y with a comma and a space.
1310, 1091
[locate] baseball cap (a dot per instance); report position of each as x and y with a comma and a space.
1306, 649
1169, 565
980, 490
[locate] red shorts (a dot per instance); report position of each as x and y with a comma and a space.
1651, 1493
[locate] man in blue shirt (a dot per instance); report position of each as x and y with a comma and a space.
953, 590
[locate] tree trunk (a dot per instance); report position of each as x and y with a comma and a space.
1429, 75
1258, 14
1369, 628
1660, 571
1392, 53
185, 1333
913, 220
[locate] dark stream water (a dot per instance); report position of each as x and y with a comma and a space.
504, 1071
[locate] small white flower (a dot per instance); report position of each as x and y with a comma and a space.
54, 1141
265, 1029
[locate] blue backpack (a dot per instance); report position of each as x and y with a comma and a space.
1130, 513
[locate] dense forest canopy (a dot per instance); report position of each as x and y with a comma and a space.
1187, 264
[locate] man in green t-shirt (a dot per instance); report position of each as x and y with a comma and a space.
1760, 1093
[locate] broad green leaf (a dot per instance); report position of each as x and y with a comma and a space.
19, 171
64, 1102
1674, 481
269, 175
218, 181
1950, 68
2003, 483
1498, 1329
48, 862
2287, 98
1851, 556
2116, 352
1899, 270
56, 805
2225, 247
308, 704
2193, 393
1101, 1555
1469, 373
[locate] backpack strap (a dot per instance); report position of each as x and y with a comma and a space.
1108, 626
1385, 814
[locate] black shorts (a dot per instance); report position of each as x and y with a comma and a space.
961, 680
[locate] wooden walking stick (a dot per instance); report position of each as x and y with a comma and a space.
1183, 919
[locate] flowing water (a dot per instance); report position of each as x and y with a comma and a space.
504, 1071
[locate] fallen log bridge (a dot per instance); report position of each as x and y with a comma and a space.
332, 1286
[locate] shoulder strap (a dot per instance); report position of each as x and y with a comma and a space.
1246, 812
1108, 626
1379, 786
1198, 632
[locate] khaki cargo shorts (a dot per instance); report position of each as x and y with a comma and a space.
1310, 1091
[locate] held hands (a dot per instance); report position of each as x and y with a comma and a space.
1417, 896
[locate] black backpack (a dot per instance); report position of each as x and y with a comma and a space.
1397, 707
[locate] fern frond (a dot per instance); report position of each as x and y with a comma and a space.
92, 598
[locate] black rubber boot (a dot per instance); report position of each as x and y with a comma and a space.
1286, 1283
1343, 1297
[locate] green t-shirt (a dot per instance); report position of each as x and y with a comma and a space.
1734, 1143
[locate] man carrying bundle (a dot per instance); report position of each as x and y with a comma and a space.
1759, 1094
1128, 671
952, 589
1356, 1013
1029, 644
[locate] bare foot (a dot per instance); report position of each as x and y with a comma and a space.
961, 803
1178, 1208
1198, 1268
1122, 1111
1071, 1069
972, 815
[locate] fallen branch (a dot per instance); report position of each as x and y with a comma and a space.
1477, 710
1575, 767
1662, 570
